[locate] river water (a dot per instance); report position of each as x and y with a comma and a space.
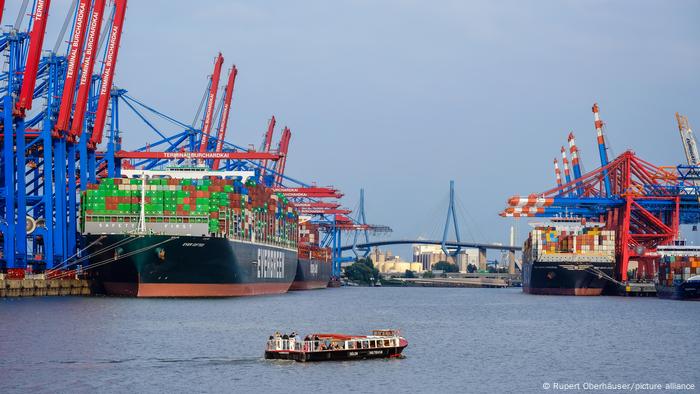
460, 340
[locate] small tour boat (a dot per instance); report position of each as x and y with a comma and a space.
328, 347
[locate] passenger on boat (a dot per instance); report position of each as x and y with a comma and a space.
292, 340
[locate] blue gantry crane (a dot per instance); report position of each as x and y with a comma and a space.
60, 132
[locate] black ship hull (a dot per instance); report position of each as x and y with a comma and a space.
335, 355
189, 266
311, 274
689, 291
566, 278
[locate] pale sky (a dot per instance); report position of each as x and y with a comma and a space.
399, 97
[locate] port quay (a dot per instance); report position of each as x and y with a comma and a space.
295, 197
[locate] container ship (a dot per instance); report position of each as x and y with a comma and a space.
568, 257
315, 263
189, 237
678, 276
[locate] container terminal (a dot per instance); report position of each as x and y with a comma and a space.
189, 214
73, 201
625, 221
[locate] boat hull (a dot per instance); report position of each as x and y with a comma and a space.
552, 278
190, 266
688, 291
311, 274
336, 355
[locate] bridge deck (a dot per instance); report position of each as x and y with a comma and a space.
450, 244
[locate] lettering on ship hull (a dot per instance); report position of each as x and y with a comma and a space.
270, 264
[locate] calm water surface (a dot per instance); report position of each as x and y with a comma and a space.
460, 340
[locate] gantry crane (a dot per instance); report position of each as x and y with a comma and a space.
211, 102
690, 146
644, 203
223, 121
41, 145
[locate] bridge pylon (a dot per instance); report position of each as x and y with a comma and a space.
361, 219
451, 213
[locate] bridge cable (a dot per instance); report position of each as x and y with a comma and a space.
435, 219
467, 217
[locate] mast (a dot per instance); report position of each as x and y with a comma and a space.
142, 214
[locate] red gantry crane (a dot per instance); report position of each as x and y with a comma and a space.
108, 73
283, 149
87, 68
74, 54
267, 142
211, 102
223, 122
36, 41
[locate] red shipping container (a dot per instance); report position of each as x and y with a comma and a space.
15, 273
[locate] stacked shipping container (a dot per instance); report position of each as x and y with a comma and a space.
308, 232
229, 207
308, 243
574, 241
674, 270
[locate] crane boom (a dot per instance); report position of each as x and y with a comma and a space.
76, 49
223, 125
87, 67
211, 102
283, 148
557, 172
197, 155
565, 161
108, 72
575, 161
316, 204
690, 146
309, 191
268, 141
36, 41
602, 149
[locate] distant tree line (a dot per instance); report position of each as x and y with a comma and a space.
362, 271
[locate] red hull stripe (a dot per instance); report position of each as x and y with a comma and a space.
196, 289
560, 291
309, 285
